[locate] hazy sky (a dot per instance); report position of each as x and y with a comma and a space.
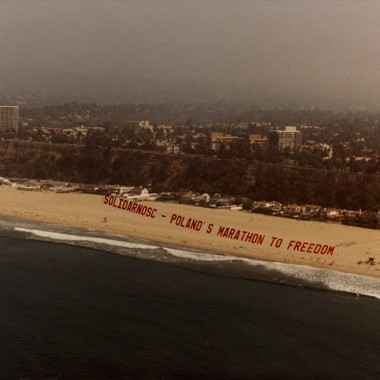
302, 47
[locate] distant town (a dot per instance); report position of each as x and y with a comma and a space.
311, 138
342, 144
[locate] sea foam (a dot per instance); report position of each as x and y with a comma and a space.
76, 238
328, 278
332, 279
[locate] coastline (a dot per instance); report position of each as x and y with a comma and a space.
71, 311
205, 229
220, 265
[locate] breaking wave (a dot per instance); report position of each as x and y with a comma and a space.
325, 278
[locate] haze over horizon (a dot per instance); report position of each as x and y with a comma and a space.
272, 53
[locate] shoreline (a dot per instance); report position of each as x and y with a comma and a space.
203, 229
225, 265
76, 291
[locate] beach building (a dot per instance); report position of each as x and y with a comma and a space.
9, 118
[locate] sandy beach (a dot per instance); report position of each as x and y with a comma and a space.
244, 234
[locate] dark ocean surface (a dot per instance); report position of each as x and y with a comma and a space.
71, 312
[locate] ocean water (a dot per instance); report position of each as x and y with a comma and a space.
79, 304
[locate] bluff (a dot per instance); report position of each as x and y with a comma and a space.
237, 177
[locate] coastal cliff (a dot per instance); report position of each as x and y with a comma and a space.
164, 172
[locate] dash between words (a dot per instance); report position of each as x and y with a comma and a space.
222, 231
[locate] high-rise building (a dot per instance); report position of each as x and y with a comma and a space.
8, 118
280, 139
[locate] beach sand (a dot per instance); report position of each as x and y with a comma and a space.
332, 246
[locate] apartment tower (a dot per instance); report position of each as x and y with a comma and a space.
288, 138
8, 118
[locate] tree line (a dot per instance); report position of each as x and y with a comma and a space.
163, 172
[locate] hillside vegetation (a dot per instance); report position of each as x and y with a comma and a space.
237, 177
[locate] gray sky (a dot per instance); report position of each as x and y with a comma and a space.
297, 48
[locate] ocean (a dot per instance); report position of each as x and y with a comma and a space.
89, 305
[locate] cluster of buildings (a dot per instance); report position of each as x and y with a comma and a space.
368, 219
277, 139
354, 150
163, 137
72, 133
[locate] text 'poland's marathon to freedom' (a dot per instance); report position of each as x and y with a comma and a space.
225, 232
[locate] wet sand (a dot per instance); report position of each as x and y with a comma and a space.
244, 234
